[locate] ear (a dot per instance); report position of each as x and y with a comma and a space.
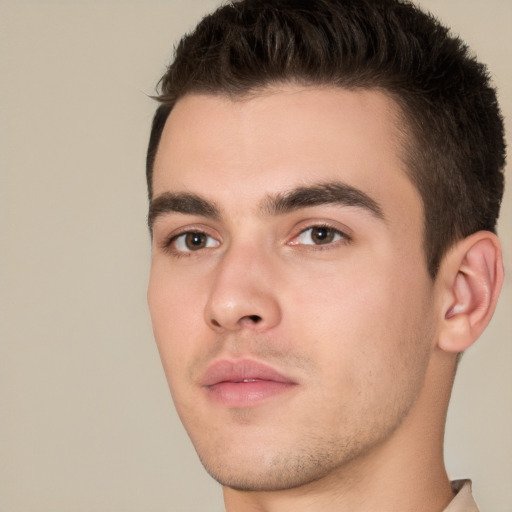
470, 277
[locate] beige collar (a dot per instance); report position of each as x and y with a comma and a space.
463, 500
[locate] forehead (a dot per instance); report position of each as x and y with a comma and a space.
280, 139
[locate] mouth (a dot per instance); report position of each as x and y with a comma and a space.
243, 383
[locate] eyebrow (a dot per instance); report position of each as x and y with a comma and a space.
183, 202
332, 193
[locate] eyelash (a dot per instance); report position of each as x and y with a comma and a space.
168, 244
344, 237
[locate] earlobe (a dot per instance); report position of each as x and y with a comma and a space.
471, 279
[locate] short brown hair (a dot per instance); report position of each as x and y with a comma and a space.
455, 149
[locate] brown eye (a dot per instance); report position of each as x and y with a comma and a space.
322, 235
193, 241
319, 235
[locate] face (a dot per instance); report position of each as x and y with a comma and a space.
289, 294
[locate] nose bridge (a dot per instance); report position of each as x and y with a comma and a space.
242, 294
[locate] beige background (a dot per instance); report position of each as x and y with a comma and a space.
86, 421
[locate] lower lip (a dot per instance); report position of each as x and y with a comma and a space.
246, 394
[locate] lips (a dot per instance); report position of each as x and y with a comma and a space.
243, 383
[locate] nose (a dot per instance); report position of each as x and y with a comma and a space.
243, 295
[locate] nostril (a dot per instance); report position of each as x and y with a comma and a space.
247, 320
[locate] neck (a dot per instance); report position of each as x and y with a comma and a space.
405, 472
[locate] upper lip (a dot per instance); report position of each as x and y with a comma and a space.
227, 370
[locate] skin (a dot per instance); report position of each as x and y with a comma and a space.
353, 322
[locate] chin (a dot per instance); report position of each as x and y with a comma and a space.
249, 479
264, 471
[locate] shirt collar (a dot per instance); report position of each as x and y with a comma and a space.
463, 500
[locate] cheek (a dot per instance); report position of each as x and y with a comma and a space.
399, 337
176, 315
369, 318
174, 298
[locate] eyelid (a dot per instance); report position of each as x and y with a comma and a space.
344, 231
181, 245
168, 240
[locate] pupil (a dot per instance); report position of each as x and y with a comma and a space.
322, 235
195, 240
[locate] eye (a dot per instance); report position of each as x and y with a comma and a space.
192, 241
319, 235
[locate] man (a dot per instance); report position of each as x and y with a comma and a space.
324, 181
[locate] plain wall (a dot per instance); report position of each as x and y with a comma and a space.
86, 420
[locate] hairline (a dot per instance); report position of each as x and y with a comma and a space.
408, 142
